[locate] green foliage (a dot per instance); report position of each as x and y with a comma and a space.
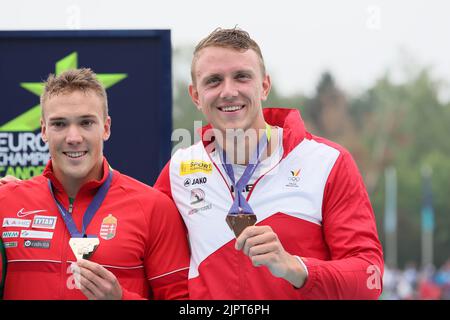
409, 126
184, 110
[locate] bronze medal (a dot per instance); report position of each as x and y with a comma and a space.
238, 222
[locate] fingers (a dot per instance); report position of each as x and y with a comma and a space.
91, 284
80, 282
261, 249
263, 259
7, 179
260, 244
250, 232
96, 282
95, 268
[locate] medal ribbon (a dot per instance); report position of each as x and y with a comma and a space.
240, 204
88, 214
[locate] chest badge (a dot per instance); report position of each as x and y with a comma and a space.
108, 228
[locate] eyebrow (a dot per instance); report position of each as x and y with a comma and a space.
83, 117
211, 76
245, 71
220, 76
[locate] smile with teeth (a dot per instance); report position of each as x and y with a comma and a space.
231, 108
77, 154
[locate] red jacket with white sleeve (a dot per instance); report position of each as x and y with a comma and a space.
314, 199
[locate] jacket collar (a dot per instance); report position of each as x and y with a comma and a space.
90, 186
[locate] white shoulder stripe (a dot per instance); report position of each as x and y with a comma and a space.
119, 267
70, 261
166, 274
115, 267
31, 260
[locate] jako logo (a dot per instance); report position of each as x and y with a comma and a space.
194, 181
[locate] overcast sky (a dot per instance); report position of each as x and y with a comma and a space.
357, 40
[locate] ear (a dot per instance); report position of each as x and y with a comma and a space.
43, 131
107, 129
193, 92
266, 85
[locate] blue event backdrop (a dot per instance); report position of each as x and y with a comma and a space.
140, 100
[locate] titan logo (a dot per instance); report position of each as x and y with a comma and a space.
30, 120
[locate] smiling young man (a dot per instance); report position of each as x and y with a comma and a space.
278, 213
130, 236
75, 139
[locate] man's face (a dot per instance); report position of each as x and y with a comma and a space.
229, 88
75, 128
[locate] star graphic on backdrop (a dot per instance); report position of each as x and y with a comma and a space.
30, 120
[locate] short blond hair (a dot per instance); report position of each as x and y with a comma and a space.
83, 79
235, 38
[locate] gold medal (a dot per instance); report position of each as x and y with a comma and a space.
238, 222
84, 248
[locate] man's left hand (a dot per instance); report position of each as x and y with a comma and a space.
7, 179
262, 246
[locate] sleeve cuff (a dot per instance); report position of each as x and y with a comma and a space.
303, 265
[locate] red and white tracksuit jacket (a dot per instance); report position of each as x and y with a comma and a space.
314, 199
142, 239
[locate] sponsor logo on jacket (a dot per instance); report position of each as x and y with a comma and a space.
11, 244
194, 181
44, 222
194, 166
22, 213
247, 188
13, 222
10, 234
198, 201
39, 244
36, 234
